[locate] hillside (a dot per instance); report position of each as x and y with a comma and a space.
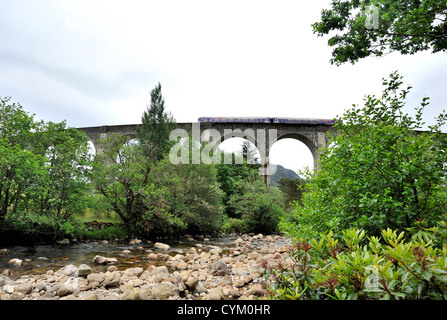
280, 173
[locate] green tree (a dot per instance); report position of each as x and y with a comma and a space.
19, 166
259, 206
43, 172
156, 126
228, 176
63, 187
156, 198
380, 171
121, 176
192, 194
375, 27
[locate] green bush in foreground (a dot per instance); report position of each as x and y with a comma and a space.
355, 266
380, 171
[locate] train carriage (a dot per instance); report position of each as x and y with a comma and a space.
329, 122
312, 121
236, 120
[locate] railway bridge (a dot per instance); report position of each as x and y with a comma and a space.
262, 135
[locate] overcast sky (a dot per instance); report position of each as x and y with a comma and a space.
94, 63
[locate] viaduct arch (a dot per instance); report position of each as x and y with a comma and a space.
262, 135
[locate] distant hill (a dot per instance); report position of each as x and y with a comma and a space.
280, 173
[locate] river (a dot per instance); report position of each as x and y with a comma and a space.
41, 258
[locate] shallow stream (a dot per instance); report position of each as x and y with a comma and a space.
41, 258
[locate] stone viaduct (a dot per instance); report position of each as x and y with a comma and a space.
262, 135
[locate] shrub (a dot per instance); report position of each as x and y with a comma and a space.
38, 223
233, 225
260, 207
354, 266
380, 170
108, 233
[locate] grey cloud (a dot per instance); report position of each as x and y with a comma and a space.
95, 86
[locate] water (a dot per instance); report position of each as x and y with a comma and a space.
39, 259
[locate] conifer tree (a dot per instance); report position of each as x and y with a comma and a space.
156, 126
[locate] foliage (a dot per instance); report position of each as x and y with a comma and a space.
379, 172
352, 265
156, 126
233, 225
403, 26
122, 177
192, 194
63, 188
19, 165
157, 197
258, 206
108, 233
229, 175
43, 223
293, 188
44, 170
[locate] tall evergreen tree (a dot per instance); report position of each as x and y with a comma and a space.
156, 126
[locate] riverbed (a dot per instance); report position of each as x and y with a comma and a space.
228, 267
41, 258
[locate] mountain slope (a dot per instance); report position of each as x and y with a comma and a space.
280, 173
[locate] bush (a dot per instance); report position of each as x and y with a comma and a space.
233, 225
38, 223
108, 233
260, 207
379, 172
354, 266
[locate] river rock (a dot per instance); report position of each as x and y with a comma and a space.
152, 256
96, 277
159, 274
24, 288
163, 257
131, 294
69, 270
135, 241
112, 279
52, 288
90, 296
162, 246
181, 265
253, 255
216, 250
103, 260
219, 268
215, 294
256, 290
84, 270
164, 290
15, 262
133, 272
200, 288
6, 273
146, 293
125, 253
64, 241
191, 282
65, 290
